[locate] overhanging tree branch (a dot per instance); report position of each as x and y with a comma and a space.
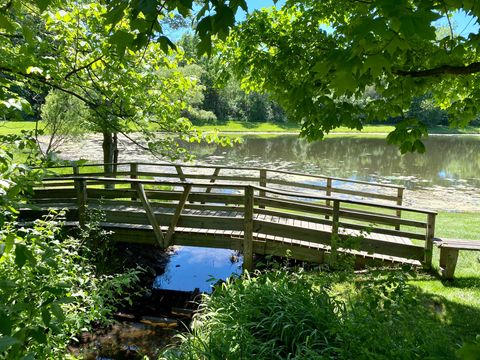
441, 70
75, 70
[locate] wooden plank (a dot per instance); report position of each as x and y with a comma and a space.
292, 205
133, 175
82, 199
427, 261
184, 176
178, 212
448, 262
151, 216
248, 229
380, 218
180, 173
293, 216
377, 230
461, 244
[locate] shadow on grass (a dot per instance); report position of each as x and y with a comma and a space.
463, 283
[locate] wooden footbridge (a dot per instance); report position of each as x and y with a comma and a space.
253, 210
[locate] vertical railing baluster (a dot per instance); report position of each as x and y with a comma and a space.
133, 175
328, 192
399, 203
335, 226
263, 183
427, 262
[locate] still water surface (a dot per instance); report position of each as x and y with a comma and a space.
446, 177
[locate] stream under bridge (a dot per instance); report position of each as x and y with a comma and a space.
253, 210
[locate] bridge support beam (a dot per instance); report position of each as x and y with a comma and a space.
176, 215
151, 216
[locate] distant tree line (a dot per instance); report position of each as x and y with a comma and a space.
219, 100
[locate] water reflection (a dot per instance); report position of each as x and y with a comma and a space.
194, 267
448, 161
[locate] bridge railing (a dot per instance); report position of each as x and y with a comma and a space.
252, 216
266, 178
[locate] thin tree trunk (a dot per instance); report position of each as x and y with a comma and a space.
110, 153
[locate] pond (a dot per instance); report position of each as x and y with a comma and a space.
446, 177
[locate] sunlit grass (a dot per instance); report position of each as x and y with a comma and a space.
15, 127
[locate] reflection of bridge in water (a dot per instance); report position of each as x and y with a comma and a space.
254, 210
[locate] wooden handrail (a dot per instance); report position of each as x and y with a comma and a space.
239, 186
242, 186
240, 168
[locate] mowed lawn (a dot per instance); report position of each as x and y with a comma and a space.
16, 127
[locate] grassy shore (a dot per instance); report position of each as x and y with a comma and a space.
238, 127
15, 127
243, 127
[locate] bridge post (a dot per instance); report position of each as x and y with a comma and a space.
399, 203
263, 183
427, 262
133, 175
328, 192
334, 238
248, 229
81, 187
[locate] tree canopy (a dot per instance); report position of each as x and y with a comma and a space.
328, 63
346, 63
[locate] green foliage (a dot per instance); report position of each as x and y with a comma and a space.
17, 179
115, 71
321, 60
65, 117
298, 315
48, 291
226, 101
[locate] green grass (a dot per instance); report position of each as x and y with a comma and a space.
15, 127
242, 127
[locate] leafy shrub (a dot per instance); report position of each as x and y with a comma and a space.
17, 179
285, 315
49, 289
49, 292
